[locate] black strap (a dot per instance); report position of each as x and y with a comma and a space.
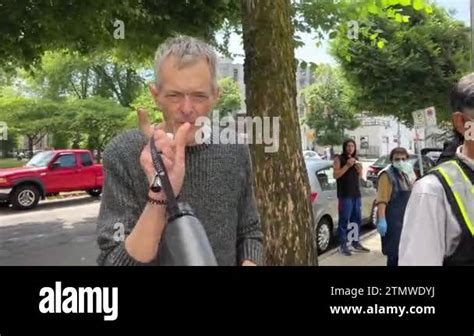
160, 168
451, 199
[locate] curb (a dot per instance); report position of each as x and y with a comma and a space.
66, 195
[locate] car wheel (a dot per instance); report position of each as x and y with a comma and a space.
94, 192
25, 197
323, 235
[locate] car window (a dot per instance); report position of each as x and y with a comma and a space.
86, 159
326, 179
383, 160
427, 164
67, 161
41, 159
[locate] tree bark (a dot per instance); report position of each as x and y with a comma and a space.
30, 144
282, 187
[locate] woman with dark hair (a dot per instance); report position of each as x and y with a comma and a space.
347, 172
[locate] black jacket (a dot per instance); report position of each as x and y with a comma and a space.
450, 151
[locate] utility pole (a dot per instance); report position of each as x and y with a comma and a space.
399, 140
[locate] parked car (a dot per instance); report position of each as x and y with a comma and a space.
325, 204
432, 153
308, 154
49, 173
384, 161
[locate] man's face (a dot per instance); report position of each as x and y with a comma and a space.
350, 148
184, 94
398, 157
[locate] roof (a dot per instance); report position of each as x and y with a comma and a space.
68, 151
316, 164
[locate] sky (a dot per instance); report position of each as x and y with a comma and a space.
310, 53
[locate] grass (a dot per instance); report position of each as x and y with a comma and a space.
10, 163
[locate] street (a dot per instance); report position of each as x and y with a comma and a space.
56, 233
62, 233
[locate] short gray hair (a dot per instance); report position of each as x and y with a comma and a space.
188, 50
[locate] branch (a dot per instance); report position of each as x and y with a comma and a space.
105, 76
74, 88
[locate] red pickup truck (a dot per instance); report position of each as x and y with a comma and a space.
49, 173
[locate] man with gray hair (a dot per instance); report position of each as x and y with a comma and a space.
438, 226
215, 180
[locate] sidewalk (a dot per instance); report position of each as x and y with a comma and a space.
374, 258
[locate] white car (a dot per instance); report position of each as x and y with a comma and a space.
307, 154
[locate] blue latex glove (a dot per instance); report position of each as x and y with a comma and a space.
382, 226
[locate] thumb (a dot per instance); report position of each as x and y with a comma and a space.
181, 140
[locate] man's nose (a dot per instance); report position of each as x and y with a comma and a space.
186, 105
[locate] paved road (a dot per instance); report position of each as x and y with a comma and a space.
63, 233
371, 240
56, 233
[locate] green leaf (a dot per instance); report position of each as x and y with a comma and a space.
405, 2
398, 17
333, 34
380, 44
390, 13
405, 18
372, 8
418, 5
429, 9
374, 36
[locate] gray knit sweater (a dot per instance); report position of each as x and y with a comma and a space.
217, 185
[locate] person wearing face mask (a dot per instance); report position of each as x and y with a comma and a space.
438, 227
394, 187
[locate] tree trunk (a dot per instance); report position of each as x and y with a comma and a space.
282, 187
30, 144
99, 156
76, 140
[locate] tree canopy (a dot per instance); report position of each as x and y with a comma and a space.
230, 99
127, 29
415, 69
328, 104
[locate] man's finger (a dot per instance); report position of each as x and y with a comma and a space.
181, 140
168, 152
168, 163
165, 144
144, 123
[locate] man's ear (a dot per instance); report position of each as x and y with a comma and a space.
153, 90
155, 94
458, 122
